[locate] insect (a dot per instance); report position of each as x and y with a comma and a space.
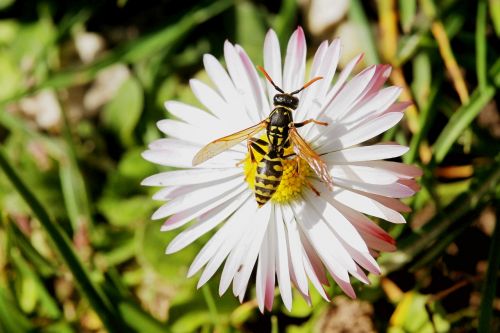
281, 132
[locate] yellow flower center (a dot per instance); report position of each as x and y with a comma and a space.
295, 172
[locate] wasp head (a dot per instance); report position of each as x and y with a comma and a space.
286, 100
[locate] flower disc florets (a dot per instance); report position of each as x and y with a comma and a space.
293, 180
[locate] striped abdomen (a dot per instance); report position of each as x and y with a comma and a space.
268, 177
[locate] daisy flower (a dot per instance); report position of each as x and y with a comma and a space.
307, 229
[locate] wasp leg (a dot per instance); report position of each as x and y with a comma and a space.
312, 188
253, 144
305, 122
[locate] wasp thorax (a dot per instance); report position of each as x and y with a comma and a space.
286, 100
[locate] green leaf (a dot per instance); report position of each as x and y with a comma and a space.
10, 78
249, 18
172, 267
407, 9
481, 65
12, 320
75, 194
412, 315
5, 3
495, 15
357, 15
33, 290
122, 113
126, 211
460, 120
286, 19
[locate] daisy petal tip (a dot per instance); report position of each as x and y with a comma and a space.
171, 248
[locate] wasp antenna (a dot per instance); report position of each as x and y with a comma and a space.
263, 71
317, 78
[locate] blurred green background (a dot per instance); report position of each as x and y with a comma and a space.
82, 84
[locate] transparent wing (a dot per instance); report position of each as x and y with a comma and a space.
304, 151
218, 146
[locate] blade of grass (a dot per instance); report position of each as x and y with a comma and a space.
358, 16
489, 288
99, 302
460, 120
164, 40
43, 266
449, 60
426, 89
285, 20
388, 29
73, 184
407, 10
12, 320
481, 45
48, 304
249, 18
495, 15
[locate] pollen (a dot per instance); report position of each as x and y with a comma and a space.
294, 178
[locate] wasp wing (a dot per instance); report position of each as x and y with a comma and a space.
305, 152
218, 146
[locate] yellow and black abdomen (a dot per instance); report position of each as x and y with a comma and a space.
268, 177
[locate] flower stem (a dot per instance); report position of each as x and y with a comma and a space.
209, 298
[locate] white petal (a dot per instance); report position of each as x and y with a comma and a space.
375, 237
241, 81
254, 83
178, 154
272, 62
265, 274
228, 91
314, 278
362, 133
185, 132
324, 64
191, 115
322, 238
350, 94
341, 81
189, 177
167, 193
197, 197
332, 254
236, 257
206, 222
365, 153
282, 267
295, 61
336, 221
374, 106
227, 233
211, 99
260, 221
365, 174
367, 205
395, 190
295, 248
401, 170
187, 215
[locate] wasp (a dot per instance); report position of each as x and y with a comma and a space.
281, 133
